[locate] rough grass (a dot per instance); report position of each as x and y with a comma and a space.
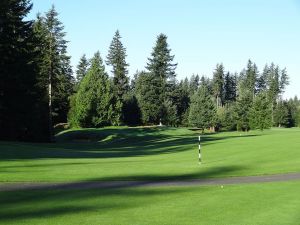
150, 154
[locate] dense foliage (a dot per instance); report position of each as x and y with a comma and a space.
23, 103
38, 89
91, 104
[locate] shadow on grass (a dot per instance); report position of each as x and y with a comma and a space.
64, 200
125, 142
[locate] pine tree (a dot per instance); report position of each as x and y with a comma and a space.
183, 102
242, 111
218, 85
276, 81
202, 110
262, 80
251, 78
281, 114
298, 117
225, 118
162, 68
131, 109
23, 114
54, 65
194, 84
147, 89
230, 88
92, 103
260, 113
117, 59
82, 68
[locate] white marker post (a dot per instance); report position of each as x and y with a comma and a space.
199, 151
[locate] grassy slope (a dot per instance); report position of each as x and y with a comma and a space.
153, 154
143, 154
260, 204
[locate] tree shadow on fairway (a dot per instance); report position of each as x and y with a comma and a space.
202, 174
125, 142
67, 200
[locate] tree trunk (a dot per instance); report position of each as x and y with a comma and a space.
50, 92
50, 105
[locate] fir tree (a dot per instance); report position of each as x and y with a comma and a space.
147, 87
54, 65
194, 84
281, 114
260, 113
162, 69
218, 85
131, 109
23, 114
117, 59
92, 104
230, 88
242, 111
183, 101
202, 110
276, 81
82, 68
251, 78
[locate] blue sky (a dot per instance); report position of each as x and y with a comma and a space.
200, 33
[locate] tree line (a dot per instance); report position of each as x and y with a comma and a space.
38, 89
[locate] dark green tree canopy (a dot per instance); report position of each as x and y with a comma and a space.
202, 110
55, 69
82, 68
117, 59
261, 112
218, 85
147, 89
92, 103
23, 112
161, 61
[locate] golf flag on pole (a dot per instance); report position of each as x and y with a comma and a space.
199, 151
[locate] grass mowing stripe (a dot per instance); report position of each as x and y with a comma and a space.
269, 203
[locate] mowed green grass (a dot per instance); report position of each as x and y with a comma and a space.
150, 154
153, 154
259, 204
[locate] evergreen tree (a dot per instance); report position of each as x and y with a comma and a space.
242, 111
225, 118
170, 115
298, 117
162, 69
276, 81
131, 109
218, 85
23, 112
251, 78
262, 80
183, 102
147, 89
260, 113
230, 88
116, 59
82, 68
292, 105
202, 110
92, 103
281, 114
194, 84
54, 65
